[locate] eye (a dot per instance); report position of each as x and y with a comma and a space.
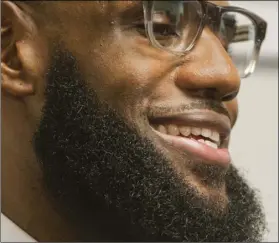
161, 30
140, 28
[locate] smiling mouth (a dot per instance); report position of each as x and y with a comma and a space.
203, 134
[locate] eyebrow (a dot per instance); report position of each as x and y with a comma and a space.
129, 10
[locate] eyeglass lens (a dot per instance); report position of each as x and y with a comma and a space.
176, 24
238, 34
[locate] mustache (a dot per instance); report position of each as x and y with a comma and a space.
211, 105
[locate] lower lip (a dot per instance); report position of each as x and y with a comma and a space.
208, 154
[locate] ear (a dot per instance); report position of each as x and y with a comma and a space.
17, 28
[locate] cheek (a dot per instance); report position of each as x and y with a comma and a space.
121, 74
232, 107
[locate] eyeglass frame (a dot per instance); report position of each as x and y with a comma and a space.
212, 13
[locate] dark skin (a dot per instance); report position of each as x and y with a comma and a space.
26, 51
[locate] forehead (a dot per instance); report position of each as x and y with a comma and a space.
115, 6
124, 4
127, 3
112, 6
96, 9
221, 3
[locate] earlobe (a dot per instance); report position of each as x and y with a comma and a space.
13, 31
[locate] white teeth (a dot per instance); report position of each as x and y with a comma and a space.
211, 144
215, 137
206, 132
185, 131
173, 130
196, 131
162, 129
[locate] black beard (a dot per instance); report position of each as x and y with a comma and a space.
106, 176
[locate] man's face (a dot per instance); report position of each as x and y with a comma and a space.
136, 138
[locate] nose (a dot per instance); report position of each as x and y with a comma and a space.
208, 70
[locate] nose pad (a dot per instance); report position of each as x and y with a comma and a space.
209, 67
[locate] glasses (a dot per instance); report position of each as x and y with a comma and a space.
176, 26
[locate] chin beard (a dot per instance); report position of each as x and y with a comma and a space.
107, 177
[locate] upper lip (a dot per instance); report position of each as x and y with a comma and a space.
202, 119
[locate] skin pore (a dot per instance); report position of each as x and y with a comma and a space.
77, 148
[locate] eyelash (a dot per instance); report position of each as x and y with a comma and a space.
160, 29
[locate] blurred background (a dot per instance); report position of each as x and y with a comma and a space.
254, 144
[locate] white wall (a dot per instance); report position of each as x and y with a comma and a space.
254, 144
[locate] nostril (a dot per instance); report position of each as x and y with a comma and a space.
211, 93
230, 96
207, 93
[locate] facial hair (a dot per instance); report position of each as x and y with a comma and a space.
106, 175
